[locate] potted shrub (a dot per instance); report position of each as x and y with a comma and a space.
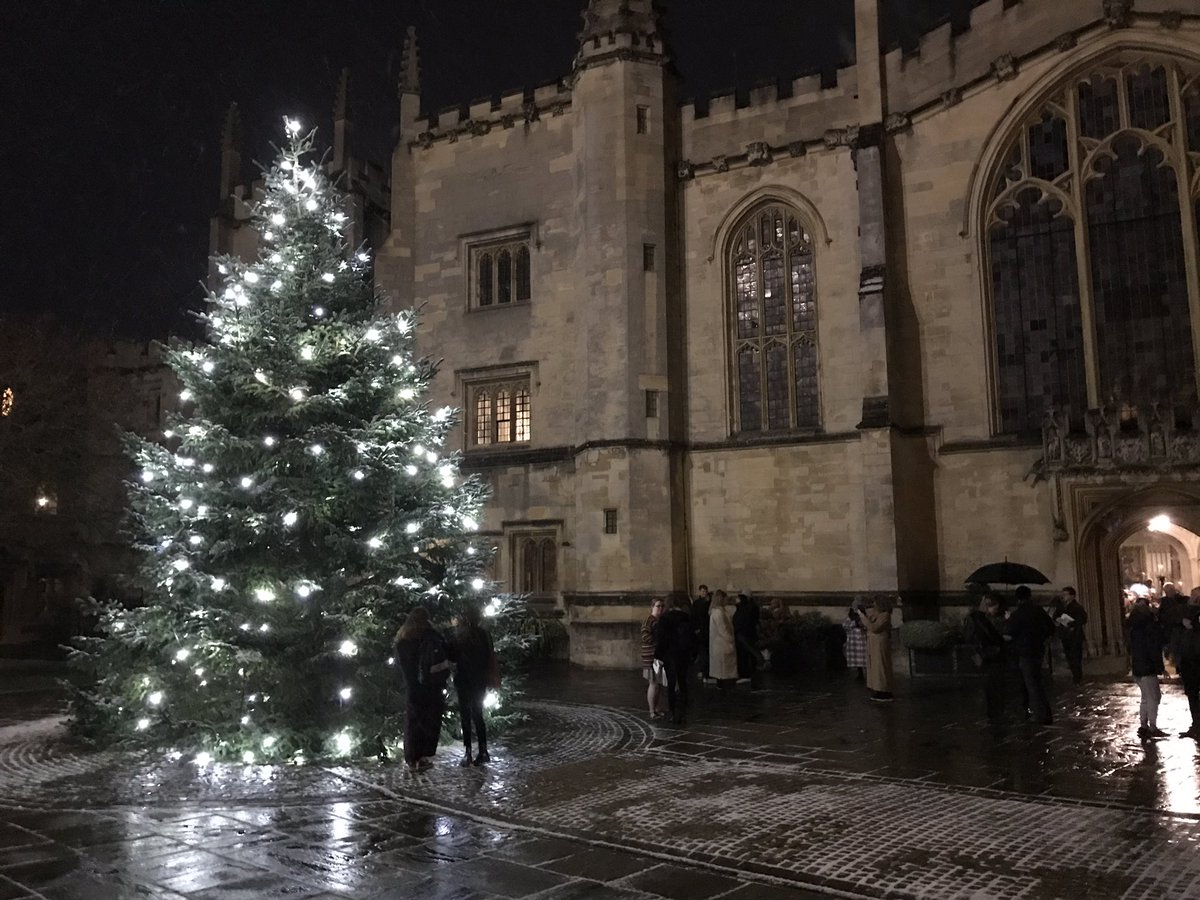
930, 647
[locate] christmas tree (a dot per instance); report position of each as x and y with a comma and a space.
302, 507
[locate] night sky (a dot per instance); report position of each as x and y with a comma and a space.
113, 112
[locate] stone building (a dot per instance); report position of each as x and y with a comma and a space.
63, 504
858, 333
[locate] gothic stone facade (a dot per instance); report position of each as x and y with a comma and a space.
804, 345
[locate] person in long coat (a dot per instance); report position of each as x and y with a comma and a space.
878, 622
722, 648
423, 658
1146, 661
474, 658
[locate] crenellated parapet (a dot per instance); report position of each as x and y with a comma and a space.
1000, 37
522, 109
948, 63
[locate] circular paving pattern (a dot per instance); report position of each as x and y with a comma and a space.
37, 766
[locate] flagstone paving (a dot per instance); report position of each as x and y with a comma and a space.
803, 789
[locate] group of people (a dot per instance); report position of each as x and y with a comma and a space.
428, 660
721, 638
1154, 635
1010, 644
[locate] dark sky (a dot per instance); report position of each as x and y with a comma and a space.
113, 109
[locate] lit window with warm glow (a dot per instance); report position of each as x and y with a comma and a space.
500, 413
6, 402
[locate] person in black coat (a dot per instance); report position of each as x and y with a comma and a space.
1145, 637
1185, 651
1070, 617
1028, 628
700, 609
423, 658
986, 629
475, 658
746, 618
676, 648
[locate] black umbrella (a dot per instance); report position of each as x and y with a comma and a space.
1007, 573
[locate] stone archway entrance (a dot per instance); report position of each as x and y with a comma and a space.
1112, 516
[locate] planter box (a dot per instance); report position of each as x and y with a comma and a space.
955, 660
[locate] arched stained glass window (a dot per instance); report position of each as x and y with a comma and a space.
1090, 268
773, 322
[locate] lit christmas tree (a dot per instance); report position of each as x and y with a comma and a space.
303, 507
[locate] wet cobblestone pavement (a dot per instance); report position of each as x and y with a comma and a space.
803, 789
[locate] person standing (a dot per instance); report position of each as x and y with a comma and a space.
652, 670
1146, 661
1028, 628
1185, 651
1070, 617
722, 652
1171, 609
474, 657
675, 649
700, 627
987, 636
424, 660
746, 617
878, 624
856, 640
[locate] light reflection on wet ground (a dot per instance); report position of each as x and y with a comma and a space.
590, 799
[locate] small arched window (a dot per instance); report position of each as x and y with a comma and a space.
483, 417
483, 280
504, 274
523, 281
773, 315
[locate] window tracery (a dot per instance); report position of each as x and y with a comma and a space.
500, 413
773, 322
500, 272
1089, 266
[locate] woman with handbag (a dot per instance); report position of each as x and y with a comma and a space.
652, 669
477, 670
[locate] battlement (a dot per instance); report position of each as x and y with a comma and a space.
807, 88
479, 117
992, 43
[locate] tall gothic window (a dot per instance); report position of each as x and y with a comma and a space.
773, 322
1090, 270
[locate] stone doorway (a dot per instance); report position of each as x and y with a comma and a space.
1130, 535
